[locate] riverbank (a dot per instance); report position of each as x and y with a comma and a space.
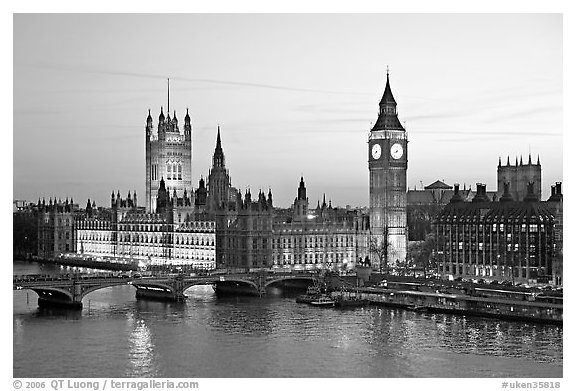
461, 304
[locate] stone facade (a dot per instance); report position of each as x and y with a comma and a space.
319, 238
168, 157
169, 237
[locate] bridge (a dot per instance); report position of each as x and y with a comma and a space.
69, 289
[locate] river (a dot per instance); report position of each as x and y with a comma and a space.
115, 335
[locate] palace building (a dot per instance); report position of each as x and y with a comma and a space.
127, 232
319, 238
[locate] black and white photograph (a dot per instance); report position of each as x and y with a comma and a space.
203, 196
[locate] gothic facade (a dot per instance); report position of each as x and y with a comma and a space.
168, 237
168, 157
56, 227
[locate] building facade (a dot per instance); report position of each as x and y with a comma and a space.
126, 232
319, 238
556, 204
387, 164
501, 240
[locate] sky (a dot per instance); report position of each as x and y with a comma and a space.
294, 95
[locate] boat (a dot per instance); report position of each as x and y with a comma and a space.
350, 302
323, 301
312, 293
419, 308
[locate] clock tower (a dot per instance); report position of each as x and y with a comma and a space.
387, 163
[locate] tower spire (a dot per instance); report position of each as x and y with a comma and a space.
168, 111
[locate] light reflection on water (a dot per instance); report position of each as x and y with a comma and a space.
119, 336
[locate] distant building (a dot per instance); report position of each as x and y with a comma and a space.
518, 176
503, 240
56, 233
423, 206
25, 229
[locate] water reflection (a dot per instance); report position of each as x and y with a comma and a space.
141, 349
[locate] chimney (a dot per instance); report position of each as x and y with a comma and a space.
480, 193
456, 197
559, 188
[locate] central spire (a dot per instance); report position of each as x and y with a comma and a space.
168, 111
387, 97
218, 159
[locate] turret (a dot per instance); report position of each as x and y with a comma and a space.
270, 204
302, 189
187, 126
506, 196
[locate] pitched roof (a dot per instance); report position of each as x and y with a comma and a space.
437, 185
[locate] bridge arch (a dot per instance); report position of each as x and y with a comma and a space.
239, 280
91, 289
44, 292
291, 278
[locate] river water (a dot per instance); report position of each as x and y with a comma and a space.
115, 335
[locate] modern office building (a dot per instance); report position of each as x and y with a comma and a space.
502, 240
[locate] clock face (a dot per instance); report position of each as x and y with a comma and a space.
396, 151
376, 151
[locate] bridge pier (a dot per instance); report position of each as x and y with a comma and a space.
49, 302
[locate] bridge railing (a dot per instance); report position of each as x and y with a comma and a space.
66, 277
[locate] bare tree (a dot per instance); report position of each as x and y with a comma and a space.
379, 246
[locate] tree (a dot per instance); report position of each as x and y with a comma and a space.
422, 253
379, 246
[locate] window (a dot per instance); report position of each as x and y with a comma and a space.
179, 171
169, 171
